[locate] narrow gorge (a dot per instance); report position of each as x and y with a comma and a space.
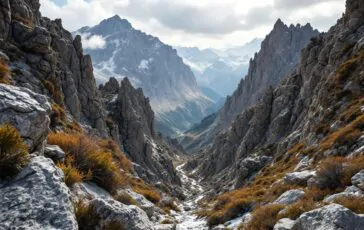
122, 137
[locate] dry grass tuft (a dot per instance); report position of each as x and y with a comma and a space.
355, 204
73, 175
139, 186
90, 157
293, 211
264, 217
13, 152
85, 216
5, 72
125, 198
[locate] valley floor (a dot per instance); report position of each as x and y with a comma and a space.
193, 191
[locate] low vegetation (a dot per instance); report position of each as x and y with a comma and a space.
229, 205
73, 175
88, 219
293, 211
168, 205
354, 203
264, 217
5, 72
88, 159
54, 91
85, 215
125, 198
139, 186
23, 20
13, 152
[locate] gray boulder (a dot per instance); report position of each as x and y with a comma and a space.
36, 198
330, 217
28, 112
131, 217
358, 179
351, 191
299, 178
284, 224
290, 197
54, 152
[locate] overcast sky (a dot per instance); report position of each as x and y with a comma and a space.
201, 23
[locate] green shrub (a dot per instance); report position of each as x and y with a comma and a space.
13, 152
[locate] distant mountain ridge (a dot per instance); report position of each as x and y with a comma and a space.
278, 56
220, 70
153, 66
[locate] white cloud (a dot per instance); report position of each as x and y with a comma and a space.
92, 41
202, 23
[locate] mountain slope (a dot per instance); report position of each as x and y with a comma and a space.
294, 158
152, 66
279, 53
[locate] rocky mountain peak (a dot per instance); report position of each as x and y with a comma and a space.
281, 47
116, 21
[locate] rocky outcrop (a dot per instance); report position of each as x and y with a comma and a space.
299, 178
46, 59
153, 66
37, 198
130, 217
310, 96
358, 180
290, 197
28, 112
132, 114
279, 55
284, 224
332, 216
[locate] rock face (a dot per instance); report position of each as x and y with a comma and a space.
358, 180
153, 66
279, 54
333, 217
290, 197
284, 224
134, 125
36, 198
28, 112
299, 178
130, 217
46, 59
291, 112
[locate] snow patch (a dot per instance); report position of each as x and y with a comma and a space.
144, 64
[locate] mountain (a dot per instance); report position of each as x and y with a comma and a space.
220, 70
287, 155
279, 54
153, 66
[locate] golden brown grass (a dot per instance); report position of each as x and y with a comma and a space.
139, 186
54, 91
293, 211
355, 204
125, 198
5, 72
264, 217
25, 21
90, 157
168, 205
167, 221
330, 172
72, 174
85, 216
58, 115
231, 204
13, 152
